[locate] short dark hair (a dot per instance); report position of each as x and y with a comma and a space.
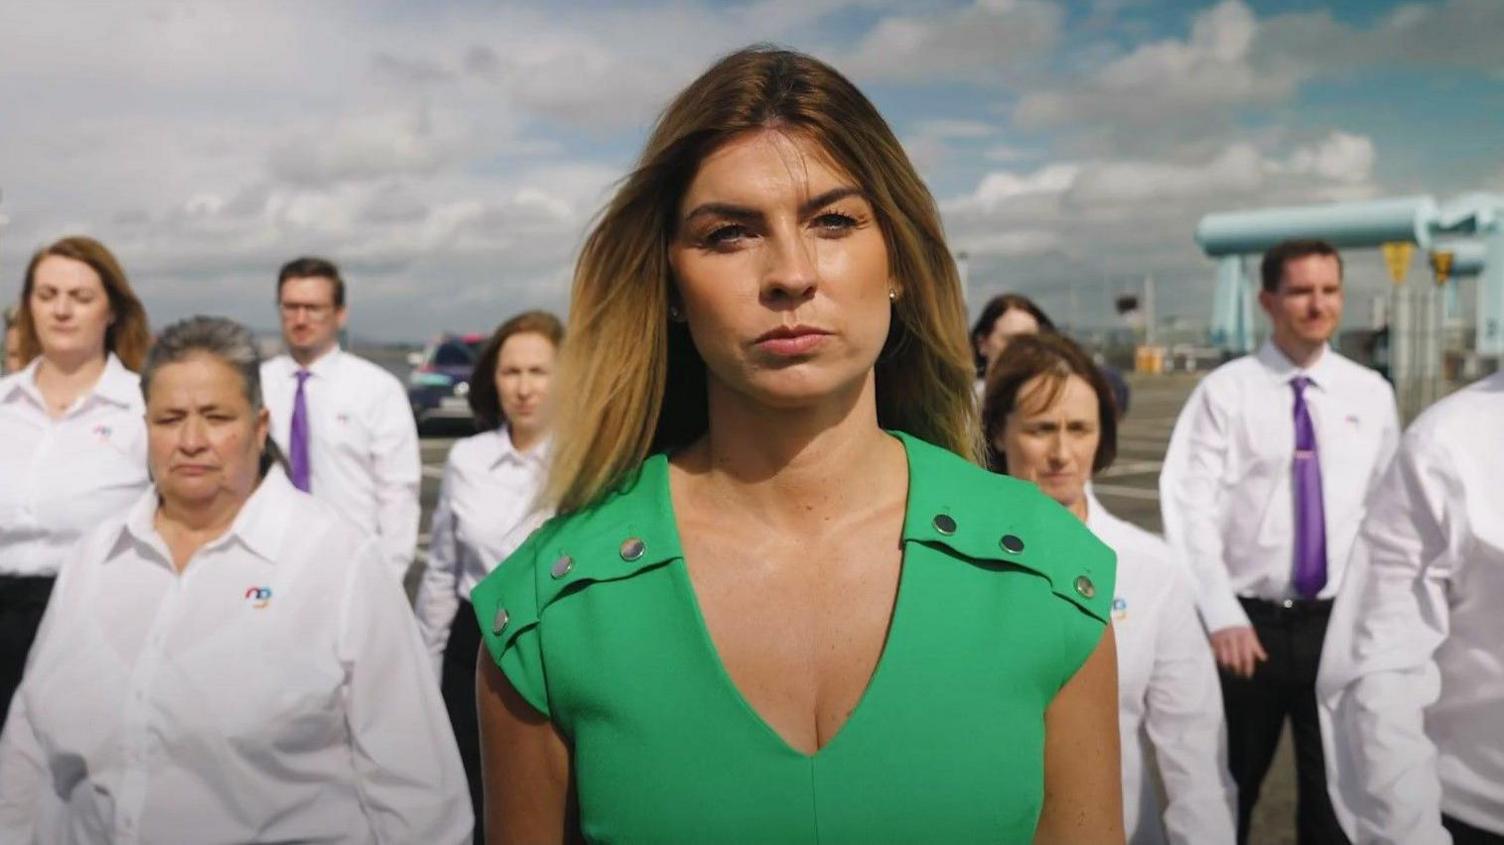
311, 267
1058, 357
226, 341
485, 403
1272, 269
997, 307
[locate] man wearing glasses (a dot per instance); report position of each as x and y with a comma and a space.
342, 422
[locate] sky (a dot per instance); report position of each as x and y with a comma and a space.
450, 155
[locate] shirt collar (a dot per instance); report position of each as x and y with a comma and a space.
507, 452
115, 385
260, 525
322, 366
1282, 369
23, 382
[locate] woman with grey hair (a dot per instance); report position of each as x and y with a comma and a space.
231, 663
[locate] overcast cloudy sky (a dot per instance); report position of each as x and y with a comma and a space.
450, 154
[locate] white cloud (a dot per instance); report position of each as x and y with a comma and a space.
1069, 228
1340, 157
1209, 71
1006, 153
382, 144
1451, 34
980, 42
1001, 186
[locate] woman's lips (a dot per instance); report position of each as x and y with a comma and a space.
790, 342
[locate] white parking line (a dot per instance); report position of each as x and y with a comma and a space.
1124, 492
1131, 468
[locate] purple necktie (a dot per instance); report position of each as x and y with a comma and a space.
298, 447
1310, 516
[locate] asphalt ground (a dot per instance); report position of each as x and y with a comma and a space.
1130, 489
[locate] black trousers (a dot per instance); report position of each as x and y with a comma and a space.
1282, 687
22, 602
458, 686
1465, 834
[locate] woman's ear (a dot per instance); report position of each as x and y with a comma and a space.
263, 428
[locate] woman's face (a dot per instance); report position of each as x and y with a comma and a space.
69, 307
203, 440
1008, 325
782, 271
1054, 444
523, 371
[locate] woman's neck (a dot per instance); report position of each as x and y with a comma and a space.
1079, 508
791, 466
523, 439
63, 378
189, 526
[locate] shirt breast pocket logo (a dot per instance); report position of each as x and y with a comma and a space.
1119, 609
346, 431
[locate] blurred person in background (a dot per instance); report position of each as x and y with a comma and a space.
488, 494
766, 423
72, 442
1010, 315
1412, 676
231, 663
13, 362
1004, 317
343, 422
1048, 417
1262, 492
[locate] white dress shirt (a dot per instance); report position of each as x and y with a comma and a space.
60, 478
267, 693
1225, 486
362, 445
489, 489
1169, 699
1412, 673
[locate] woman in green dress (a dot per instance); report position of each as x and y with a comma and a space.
780, 602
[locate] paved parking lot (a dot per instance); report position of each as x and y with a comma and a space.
1129, 489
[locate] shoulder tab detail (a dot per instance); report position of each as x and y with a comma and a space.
989, 518
629, 531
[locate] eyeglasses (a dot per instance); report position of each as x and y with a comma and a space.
291, 309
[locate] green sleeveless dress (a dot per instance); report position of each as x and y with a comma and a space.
1002, 596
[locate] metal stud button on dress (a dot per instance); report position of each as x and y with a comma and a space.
499, 623
562, 566
945, 524
1085, 587
1011, 543
632, 548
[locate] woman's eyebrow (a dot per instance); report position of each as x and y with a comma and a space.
741, 212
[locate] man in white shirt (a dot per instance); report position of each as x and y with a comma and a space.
1262, 489
1412, 686
343, 423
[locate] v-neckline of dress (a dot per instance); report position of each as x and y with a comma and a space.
723, 675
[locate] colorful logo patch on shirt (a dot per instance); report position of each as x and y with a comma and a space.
259, 597
1119, 609
102, 431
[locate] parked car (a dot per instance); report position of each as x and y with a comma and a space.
439, 383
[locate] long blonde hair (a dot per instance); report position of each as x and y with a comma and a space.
636, 385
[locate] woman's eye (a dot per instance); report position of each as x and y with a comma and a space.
834, 222
727, 235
